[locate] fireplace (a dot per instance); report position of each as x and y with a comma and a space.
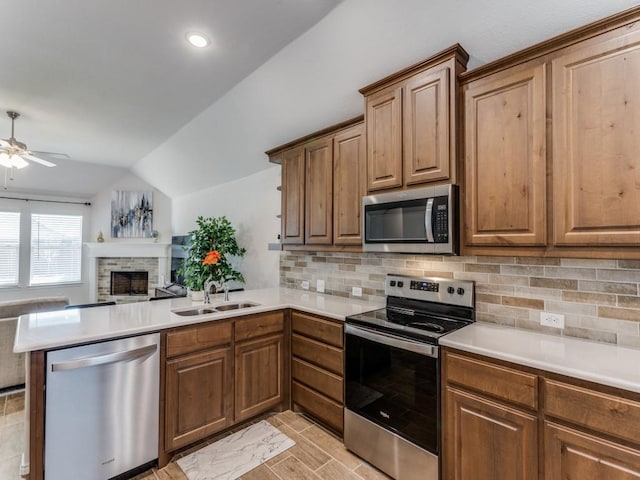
129, 283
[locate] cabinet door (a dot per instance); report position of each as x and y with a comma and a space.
319, 192
258, 376
426, 127
349, 185
384, 139
596, 144
505, 161
484, 440
199, 398
573, 454
293, 196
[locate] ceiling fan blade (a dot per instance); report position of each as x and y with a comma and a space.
46, 163
4, 143
61, 156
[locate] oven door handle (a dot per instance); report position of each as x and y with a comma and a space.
393, 341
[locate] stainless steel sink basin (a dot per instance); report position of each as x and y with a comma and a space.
196, 311
235, 306
217, 309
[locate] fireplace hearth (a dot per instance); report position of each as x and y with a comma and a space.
129, 283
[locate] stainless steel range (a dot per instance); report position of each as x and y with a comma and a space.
392, 369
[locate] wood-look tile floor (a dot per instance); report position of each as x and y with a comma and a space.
317, 454
11, 434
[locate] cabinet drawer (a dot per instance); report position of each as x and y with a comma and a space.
323, 330
317, 353
605, 413
324, 382
501, 382
198, 338
323, 408
259, 325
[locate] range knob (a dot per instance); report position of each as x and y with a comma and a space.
400, 284
451, 290
460, 291
392, 283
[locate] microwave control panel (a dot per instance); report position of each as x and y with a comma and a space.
440, 220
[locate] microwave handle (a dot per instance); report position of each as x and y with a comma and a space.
428, 224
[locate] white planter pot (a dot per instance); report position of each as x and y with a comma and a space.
197, 295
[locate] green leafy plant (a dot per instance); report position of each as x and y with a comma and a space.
208, 253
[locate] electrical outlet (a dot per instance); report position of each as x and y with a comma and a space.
305, 285
320, 286
356, 291
555, 320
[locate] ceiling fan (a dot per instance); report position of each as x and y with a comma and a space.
14, 154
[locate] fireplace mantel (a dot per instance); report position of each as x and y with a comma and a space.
127, 249
96, 250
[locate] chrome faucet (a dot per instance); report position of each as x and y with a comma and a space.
207, 289
225, 286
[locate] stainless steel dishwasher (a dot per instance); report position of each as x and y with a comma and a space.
101, 408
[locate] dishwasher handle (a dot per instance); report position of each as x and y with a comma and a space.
107, 359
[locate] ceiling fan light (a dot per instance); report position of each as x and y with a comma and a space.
5, 161
17, 161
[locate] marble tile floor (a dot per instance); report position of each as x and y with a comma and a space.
11, 434
317, 455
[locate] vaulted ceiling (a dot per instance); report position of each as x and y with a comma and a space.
107, 81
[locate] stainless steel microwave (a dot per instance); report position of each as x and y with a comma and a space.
421, 220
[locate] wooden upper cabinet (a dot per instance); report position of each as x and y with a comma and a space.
349, 184
319, 192
426, 127
384, 139
411, 123
293, 178
596, 143
505, 158
323, 181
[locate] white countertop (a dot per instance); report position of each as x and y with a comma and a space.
593, 361
41, 331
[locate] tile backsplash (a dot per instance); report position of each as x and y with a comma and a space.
600, 299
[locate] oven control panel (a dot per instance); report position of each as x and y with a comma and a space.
431, 289
424, 286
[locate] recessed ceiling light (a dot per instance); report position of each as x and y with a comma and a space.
199, 40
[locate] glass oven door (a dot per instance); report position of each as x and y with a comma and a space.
394, 382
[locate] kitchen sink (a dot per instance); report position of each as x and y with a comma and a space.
196, 311
235, 306
217, 309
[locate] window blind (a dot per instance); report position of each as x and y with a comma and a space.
56, 249
9, 248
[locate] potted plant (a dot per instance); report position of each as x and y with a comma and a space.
208, 254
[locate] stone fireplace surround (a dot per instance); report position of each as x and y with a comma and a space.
125, 256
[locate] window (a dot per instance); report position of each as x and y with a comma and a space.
9, 248
56, 249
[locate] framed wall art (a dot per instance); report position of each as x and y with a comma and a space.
131, 214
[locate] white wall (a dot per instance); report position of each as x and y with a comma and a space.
77, 293
101, 210
251, 205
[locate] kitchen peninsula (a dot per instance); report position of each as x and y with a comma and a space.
243, 354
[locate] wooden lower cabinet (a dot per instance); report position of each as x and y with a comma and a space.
197, 403
317, 368
575, 430
487, 440
570, 454
258, 376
